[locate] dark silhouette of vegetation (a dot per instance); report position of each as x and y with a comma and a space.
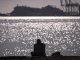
56, 54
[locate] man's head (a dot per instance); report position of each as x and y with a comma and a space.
38, 41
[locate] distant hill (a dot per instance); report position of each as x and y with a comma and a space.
3, 14
28, 11
44, 11
51, 11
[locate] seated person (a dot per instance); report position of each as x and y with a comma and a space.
39, 49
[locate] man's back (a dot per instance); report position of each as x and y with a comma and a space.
39, 49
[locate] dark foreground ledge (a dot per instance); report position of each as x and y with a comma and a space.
40, 58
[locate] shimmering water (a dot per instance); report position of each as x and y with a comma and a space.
17, 39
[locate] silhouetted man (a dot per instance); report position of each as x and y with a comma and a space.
39, 49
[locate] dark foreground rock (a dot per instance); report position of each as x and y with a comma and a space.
40, 58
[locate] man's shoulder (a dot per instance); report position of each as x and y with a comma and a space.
39, 44
42, 43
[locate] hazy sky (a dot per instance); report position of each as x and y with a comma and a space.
7, 6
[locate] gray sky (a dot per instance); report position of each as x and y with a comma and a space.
7, 6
